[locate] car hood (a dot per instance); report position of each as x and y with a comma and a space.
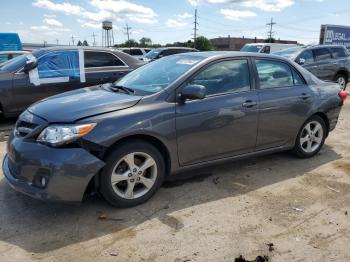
81, 103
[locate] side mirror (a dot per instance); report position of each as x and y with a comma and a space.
31, 64
160, 56
301, 61
192, 92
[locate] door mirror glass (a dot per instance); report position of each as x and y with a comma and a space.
192, 92
301, 61
30, 64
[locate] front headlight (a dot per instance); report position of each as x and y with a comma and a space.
57, 135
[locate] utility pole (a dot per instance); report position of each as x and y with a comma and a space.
127, 31
57, 41
72, 39
94, 36
195, 27
271, 24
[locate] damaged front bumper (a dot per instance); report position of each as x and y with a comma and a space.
50, 174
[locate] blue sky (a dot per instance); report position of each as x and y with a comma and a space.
167, 20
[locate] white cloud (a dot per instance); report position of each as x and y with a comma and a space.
52, 22
87, 24
265, 5
269, 5
180, 20
185, 15
236, 14
175, 23
103, 10
50, 16
63, 7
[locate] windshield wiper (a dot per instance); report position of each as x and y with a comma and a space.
127, 90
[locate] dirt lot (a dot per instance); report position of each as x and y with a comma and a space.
301, 206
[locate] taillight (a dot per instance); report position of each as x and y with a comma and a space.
343, 95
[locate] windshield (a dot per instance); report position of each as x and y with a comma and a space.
251, 48
153, 53
288, 53
156, 76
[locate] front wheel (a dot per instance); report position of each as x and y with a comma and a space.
133, 173
311, 137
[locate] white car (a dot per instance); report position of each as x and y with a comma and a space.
266, 48
139, 53
8, 55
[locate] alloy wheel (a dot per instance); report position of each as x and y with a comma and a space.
311, 137
341, 81
134, 175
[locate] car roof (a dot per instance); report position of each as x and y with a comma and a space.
125, 57
228, 54
13, 52
174, 47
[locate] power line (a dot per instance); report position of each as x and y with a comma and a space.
128, 31
271, 24
94, 36
195, 27
72, 39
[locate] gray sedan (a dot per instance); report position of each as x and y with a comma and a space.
175, 114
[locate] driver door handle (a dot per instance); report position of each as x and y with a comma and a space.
304, 96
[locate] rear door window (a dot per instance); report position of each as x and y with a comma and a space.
322, 54
274, 74
101, 59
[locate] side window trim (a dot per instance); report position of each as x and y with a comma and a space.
121, 66
295, 71
251, 76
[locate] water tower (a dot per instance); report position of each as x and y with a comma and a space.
107, 34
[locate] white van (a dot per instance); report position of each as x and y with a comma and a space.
266, 48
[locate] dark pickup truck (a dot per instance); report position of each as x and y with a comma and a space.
327, 62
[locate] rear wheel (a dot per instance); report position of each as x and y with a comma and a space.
311, 137
133, 173
342, 80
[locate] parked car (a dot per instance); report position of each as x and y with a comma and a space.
166, 51
49, 71
8, 55
265, 48
139, 53
175, 114
327, 62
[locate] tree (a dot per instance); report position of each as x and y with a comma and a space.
79, 43
145, 42
85, 43
203, 44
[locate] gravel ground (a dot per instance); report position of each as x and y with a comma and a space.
216, 214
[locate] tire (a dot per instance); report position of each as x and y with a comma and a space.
315, 138
342, 80
135, 166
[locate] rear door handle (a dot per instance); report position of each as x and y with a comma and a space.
304, 96
249, 104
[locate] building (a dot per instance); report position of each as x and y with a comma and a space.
236, 43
